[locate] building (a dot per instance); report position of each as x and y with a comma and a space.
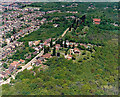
76, 51
47, 55
96, 21
57, 46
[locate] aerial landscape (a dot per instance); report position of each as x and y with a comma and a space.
59, 48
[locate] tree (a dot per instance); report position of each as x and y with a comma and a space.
51, 43
5, 66
73, 57
61, 43
26, 44
48, 48
58, 41
73, 46
82, 47
65, 45
58, 54
65, 52
70, 28
80, 60
54, 51
4, 78
45, 50
14, 30
19, 67
78, 46
84, 52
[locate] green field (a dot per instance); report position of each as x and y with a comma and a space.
45, 31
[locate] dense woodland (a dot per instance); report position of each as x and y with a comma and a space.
98, 76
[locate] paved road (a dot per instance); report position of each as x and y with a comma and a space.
23, 68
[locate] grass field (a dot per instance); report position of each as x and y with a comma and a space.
44, 32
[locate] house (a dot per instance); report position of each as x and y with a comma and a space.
11, 68
36, 42
13, 65
22, 61
67, 43
34, 53
47, 55
85, 32
55, 25
40, 58
96, 21
48, 40
38, 62
30, 43
13, 46
83, 45
69, 57
18, 65
8, 41
28, 57
8, 72
71, 44
30, 67
76, 51
37, 49
57, 46
9, 48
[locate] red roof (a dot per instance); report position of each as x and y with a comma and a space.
7, 71
18, 65
97, 20
14, 63
97, 23
70, 55
76, 49
22, 60
57, 45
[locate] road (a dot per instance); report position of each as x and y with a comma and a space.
23, 68
65, 32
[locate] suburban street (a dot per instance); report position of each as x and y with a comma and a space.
29, 63
23, 68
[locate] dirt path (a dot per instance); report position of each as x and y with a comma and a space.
65, 32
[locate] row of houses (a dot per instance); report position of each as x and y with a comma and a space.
12, 68
9, 49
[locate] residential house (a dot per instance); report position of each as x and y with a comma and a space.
40, 58
55, 25
48, 40
47, 55
36, 42
96, 21
38, 62
22, 61
34, 53
76, 51
68, 57
28, 57
57, 46
30, 43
